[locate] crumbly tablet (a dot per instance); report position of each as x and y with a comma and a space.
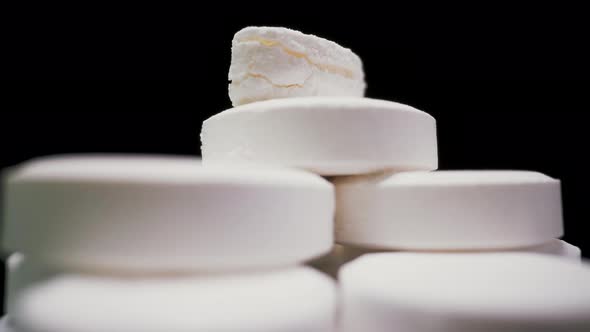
283, 300
423, 292
448, 210
270, 62
326, 135
149, 213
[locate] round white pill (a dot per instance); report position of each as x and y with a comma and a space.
326, 135
293, 299
423, 292
148, 213
448, 210
272, 62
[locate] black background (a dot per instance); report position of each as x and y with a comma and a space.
509, 89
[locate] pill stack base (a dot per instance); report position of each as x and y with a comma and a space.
303, 169
164, 244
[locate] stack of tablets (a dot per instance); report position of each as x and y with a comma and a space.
144, 244
475, 266
379, 155
164, 244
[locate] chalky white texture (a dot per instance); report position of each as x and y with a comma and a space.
326, 135
423, 292
448, 210
269, 63
284, 300
148, 213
